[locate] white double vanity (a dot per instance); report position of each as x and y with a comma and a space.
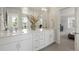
30, 41
25, 28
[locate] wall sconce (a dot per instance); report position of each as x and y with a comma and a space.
44, 9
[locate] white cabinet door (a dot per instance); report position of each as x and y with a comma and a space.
9, 47
51, 37
42, 40
26, 42
26, 45
36, 38
46, 35
36, 45
42, 44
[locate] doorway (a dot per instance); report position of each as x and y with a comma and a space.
67, 28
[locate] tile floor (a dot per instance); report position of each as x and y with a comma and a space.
65, 45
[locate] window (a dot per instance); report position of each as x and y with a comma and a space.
71, 22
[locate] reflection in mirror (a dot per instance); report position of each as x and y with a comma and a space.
21, 20
1, 20
25, 24
43, 17
40, 22
14, 22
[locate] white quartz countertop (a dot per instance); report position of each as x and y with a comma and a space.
9, 34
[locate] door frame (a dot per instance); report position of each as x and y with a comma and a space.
58, 39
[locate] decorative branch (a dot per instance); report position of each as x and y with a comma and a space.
33, 21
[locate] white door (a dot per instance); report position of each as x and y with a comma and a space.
57, 29
77, 30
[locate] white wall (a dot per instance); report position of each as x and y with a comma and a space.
55, 17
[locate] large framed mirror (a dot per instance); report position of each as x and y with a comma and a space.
25, 23
13, 22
